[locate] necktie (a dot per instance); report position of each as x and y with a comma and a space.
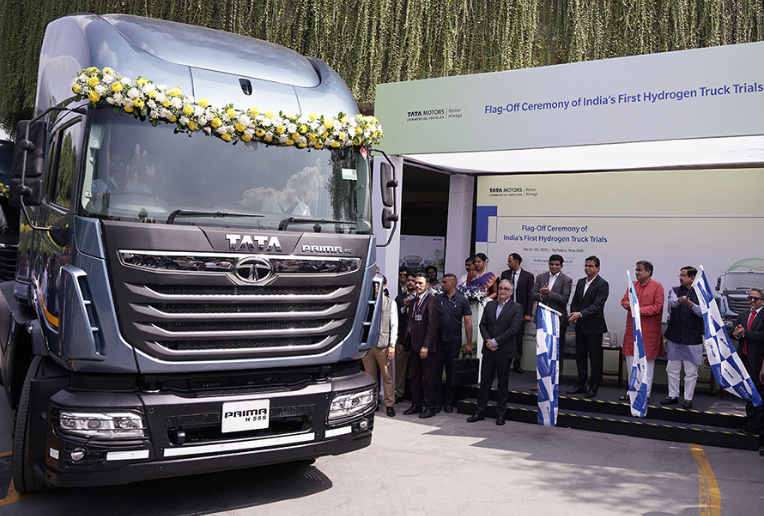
750, 323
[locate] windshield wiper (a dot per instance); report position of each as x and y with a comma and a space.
195, 213
307, 220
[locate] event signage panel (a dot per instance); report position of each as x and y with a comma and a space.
709, 92
672, 218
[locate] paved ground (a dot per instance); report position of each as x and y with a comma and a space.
444, 466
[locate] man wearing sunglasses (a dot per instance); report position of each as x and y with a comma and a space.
749, 330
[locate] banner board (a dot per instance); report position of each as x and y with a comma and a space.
700, 93
671, 218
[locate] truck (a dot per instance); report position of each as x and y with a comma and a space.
177, 304
732, 288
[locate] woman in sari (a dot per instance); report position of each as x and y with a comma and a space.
483, 278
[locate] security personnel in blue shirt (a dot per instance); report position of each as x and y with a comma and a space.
454, 309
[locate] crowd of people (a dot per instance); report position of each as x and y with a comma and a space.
421, 333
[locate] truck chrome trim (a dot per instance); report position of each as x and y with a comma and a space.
222, 349
338, 292
335, 432
251, 444
275, 332
127, 455
151, 309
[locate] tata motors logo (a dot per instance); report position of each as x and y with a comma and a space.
253, 269
253, 243
512, 191
418, 115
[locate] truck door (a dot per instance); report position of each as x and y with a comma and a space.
52, 249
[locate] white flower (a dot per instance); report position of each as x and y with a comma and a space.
198, 111
166, 113
100, 89
154, 113
301, 139
203, 120
184, 120
152, 104
249, 132
189, 99
128, 103
161, 97
337, 125
207, 130
119, 98
244, 119
83, 77
108, 79
283, 138
221, 129
268, 135
162, 87
176, 103
110, 100
291, 128
127, 81
267, 122
133, 92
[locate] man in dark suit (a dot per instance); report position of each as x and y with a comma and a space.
749, 329
553, 289
522, 283
502, 320
587, 311
422, 344
401, 354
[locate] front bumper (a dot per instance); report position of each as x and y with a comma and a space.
184, 434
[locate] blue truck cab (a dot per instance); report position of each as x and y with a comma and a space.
180, 304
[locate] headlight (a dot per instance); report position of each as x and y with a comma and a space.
101, 425
346, 405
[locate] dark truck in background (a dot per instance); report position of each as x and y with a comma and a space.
211, 316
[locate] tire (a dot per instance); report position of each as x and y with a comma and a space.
25, 480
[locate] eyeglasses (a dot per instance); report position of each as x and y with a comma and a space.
750, 298
505, 288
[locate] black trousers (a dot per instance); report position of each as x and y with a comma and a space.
755, 415
490, 367
425, 379
448, 352
588, 346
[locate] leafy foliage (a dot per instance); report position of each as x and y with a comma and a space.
370, 42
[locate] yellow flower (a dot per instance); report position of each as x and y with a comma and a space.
93, 82
359, 116
215, 122
253, 111
138, 103
268, 139
166, 103
344, 120
188, 109
280, 129
240, 127
289, 142
313, 116
303, 129
231, 113
76, 88
141, 81
372, 120
335, 144
191, 125
128, 109
260, 133
246, 137
319, 145
92, 69
175, 92
226, 137
358, 130
302, 145
312, 137
172, 118
269, 114
152, 94
295, 136
94, 97
325, 135
328, 124
203, 102
341, 136
108, 71
116, 87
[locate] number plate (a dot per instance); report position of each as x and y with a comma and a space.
239, 416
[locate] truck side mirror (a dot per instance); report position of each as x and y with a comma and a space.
387, 184
388, 217
31, 191
30, 148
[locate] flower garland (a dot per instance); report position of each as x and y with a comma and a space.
144, 99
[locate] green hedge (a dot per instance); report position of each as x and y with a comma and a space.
376, 41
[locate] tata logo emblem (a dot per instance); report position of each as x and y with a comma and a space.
253, 243
252, 270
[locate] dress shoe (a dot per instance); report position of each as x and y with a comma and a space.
428, 413
390, 412
413, 409
669, 401
500, 420
517, 368
687, 404
476, 417
399, 399
377, 409
590, 394
576, 390
448, 408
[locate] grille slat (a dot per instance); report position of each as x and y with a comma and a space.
217, 344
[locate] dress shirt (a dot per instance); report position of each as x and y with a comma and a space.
586, 285
552, 279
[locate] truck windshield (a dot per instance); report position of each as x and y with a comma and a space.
136, 172
743, 280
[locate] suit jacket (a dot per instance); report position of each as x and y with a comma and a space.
504, 329
424, 333
402, 318
559, 294
754, 341
523, 292
591, 305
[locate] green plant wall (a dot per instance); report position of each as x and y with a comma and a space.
376, 41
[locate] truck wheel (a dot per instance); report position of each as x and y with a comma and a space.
25, 480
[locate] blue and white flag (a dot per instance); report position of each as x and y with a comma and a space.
547, 363
724, 361
638, 374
